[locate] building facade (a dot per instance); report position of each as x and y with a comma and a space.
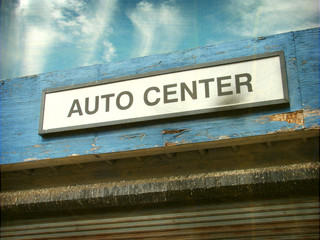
249, 172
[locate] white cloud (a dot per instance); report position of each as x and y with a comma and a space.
43, 25
89, 26
267, 17
35, 38
37, 44
158, 28
109, 51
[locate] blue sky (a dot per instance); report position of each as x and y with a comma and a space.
41, 36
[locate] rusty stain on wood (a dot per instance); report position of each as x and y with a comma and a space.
291, 117
173, 131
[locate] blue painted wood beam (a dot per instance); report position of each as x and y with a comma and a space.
20, 106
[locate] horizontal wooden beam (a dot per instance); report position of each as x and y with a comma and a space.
174, 148
23, 148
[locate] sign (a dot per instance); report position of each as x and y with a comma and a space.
225, 85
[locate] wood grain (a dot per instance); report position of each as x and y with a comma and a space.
20, 107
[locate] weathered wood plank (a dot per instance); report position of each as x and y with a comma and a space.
20, 104
308, 53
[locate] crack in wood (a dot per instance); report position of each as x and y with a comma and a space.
173, 131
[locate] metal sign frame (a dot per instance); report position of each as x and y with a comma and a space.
161, 72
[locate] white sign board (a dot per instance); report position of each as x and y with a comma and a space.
231, 84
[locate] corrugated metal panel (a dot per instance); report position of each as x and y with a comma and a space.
277, 219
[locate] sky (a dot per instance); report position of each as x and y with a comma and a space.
40, 36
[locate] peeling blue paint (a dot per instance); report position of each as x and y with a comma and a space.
20, 103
